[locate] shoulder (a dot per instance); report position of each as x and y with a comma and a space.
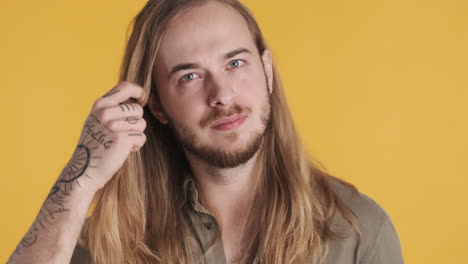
368, 212
378, 243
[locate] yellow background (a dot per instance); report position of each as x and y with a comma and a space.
379, 90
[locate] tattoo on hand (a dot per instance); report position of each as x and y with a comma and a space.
93, 129
126, 107
111, 92
132, 120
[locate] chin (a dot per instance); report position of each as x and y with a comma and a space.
235, 139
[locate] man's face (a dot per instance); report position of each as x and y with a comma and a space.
213, 85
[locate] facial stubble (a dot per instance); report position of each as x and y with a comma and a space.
216, 156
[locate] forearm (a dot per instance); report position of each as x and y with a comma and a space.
54, 233
100, 153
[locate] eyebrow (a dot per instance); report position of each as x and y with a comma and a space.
188, 66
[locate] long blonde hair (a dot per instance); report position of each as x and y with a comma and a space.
139, 215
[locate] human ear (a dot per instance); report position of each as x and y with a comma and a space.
156, 109
268, 67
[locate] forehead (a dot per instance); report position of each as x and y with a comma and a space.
208, 30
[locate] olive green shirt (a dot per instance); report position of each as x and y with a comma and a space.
379, 243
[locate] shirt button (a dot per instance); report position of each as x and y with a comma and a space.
208, 226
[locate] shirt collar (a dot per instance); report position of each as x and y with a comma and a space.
191, 196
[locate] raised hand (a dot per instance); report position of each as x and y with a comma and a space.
112, 130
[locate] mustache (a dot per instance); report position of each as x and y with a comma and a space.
218, 114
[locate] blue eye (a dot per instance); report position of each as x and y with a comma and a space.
235, 63
189, 77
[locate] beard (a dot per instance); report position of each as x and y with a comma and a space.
215, 155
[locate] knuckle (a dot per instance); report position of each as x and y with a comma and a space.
97, 103
126, 85
122, 87
103, 115
131, 86
143, 124
137, 139
112, 125
112, 100
120, 137
98, 115
141, 142
138, 109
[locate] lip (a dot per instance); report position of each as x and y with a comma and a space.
229, 122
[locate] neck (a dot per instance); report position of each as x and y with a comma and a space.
227, 191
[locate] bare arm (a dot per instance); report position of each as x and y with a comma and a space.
53, 234
112, 130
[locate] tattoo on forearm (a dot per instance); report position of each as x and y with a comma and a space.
78, 164
55, 203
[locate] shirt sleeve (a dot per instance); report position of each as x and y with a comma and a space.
81, 256
386, 248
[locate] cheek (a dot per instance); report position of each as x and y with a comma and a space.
252, 87
184, 112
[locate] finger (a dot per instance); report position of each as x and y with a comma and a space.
122, 111
114, 90
138, 140
129, 123
121, 93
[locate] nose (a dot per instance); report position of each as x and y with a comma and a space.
221, 92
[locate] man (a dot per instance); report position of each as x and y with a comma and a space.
219, 174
